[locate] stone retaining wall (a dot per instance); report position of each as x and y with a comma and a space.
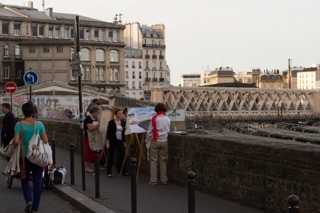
254, 173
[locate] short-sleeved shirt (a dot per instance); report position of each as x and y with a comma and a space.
88, 120
28, 131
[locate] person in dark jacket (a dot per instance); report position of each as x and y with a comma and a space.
8, 124
116, 141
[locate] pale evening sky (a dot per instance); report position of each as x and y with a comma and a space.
237, 33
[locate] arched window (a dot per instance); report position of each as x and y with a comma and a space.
85, 54
114, 56
17, 51
99, 55
5, 50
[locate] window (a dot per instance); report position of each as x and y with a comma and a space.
306, 80
34, 30
115, 34
16, 29
153, 64
81, 32
17, 51
82, 73
160, 52
72, 78
72, 51
139, 53
18, 72
96, 34
114, 56
140, 85
66, 32
101, 38
59, 49
140, 66
159, 43
87, 73
32, 49
87, 34
147, 74
85, 54
71, 32
160, 74
306, 75
125, 53
147, 64
133, 84
127, 74
145, 41
127, 64
152, 42
6, 71
100, 74
46, 49
140, 75
154, 52
127, 86
56, 31
5, 28
110, 35
133, 74
147, 52
5, 50
50, 31
133, 64
41, 29
114, 74
160, 65
100, 55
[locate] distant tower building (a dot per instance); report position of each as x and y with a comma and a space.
255, 76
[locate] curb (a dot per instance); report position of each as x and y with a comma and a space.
79, 200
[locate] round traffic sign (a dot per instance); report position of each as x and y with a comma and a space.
11, 87
30, 77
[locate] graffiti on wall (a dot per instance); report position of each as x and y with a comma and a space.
58, 107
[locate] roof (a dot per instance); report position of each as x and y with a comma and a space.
222, 73
236, 84
309, 69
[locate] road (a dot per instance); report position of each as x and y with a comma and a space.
11, 200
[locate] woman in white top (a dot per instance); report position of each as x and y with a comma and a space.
157, 140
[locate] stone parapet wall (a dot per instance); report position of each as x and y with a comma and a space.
257, 173
254, 173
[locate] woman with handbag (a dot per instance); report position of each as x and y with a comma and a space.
28, 129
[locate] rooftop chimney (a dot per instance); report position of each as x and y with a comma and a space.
49, 12
30, 4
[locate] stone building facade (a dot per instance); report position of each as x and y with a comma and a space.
308, 78
44, 42
190, 80
151, 40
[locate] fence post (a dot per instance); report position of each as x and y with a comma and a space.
293, 201
133, 185
96, 172
72, 163
191, 192
53, 147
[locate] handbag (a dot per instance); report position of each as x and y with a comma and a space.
37, 153
22, 174
9, 149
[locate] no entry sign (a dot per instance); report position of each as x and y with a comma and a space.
11, 87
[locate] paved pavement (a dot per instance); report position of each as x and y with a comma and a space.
11, 200
115, 193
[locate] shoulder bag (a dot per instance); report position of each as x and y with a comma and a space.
22, 174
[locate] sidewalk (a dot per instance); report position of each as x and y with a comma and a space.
115, 194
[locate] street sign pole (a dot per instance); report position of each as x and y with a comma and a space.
11, 102
77, 48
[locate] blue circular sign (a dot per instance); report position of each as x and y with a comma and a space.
30, 77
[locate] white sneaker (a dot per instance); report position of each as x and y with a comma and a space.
153, 183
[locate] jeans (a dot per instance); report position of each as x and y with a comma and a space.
37, 184
119, 146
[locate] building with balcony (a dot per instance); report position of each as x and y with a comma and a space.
151, 40
309, 78
190, 80
271, 79
133, 73
44, 42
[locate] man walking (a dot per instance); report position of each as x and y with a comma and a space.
8, 123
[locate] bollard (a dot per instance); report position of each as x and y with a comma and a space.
293, 201
72, 162
191, 192
96, 173
53, 147
133, 185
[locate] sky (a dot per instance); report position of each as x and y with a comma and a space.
242, 34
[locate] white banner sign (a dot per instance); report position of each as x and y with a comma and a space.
175, 114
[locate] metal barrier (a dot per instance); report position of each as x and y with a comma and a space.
191, 192
96, 173
72, 163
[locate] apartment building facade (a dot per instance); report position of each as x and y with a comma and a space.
133, 73
308, 78
190, 80
243, 77
44, 42
151, 40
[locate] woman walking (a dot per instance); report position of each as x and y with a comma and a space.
158, 135
28, 129
91, 123
116, 141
